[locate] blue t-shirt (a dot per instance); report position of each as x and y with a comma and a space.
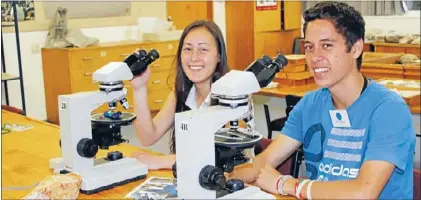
381, 129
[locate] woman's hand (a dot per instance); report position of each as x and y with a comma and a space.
154, 162
142, 79
267, 179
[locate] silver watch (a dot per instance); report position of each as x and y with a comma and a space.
281, 182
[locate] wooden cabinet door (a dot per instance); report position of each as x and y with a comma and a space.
291, 17
273, 43
267, 17
185, 12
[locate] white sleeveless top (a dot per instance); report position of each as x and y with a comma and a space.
191, 100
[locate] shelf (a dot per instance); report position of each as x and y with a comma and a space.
8, 77
7, 25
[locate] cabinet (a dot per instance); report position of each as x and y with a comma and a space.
69, 70
183, 13
253, 30
398, 48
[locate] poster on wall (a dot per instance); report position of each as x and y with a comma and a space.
25, 11
266, 5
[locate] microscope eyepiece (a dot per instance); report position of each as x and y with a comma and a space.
266, 59
281, 60
153, 55
265, 68
138, 62
142, 54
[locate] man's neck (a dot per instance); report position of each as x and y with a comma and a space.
202, 91
347, 91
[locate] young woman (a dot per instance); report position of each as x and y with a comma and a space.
201, 60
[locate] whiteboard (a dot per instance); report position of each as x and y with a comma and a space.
85, 9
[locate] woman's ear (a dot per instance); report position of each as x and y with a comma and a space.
357, 48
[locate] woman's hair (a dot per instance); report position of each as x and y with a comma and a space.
182, 82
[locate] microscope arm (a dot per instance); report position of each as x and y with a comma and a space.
94, 99
248, 117
224, 114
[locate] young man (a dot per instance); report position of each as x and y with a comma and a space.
357, 135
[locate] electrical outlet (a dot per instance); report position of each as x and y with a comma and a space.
35, 48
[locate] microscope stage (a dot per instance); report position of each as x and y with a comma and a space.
236, 138
126, 119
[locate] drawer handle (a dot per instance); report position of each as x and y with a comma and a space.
156, 82
157, 101
87, 58
170, 47
124, 54
87, 73
155, 65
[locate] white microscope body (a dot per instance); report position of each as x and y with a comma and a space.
195, 134
78, 148
197, 130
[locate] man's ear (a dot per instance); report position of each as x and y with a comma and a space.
357, 48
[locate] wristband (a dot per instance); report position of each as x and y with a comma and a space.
277, 183
309, 190
299, 187
297, 184
280, 184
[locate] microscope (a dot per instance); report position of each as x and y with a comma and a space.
205, 150
83, 133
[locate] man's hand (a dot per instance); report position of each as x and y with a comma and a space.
243, 172
267, 179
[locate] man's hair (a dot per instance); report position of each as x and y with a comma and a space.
347, 21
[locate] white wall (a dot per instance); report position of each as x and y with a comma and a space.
408, 23
219, 16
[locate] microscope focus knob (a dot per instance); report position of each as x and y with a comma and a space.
212, 178
87, 148
228, 166
234, 185
114, 155
174, 170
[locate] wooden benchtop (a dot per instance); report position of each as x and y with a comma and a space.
282, 91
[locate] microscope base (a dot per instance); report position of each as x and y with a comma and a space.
89, 192
249, 192
111, 174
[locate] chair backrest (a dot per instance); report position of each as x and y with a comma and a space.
417, 184
296, 47
283, 168
291, 101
